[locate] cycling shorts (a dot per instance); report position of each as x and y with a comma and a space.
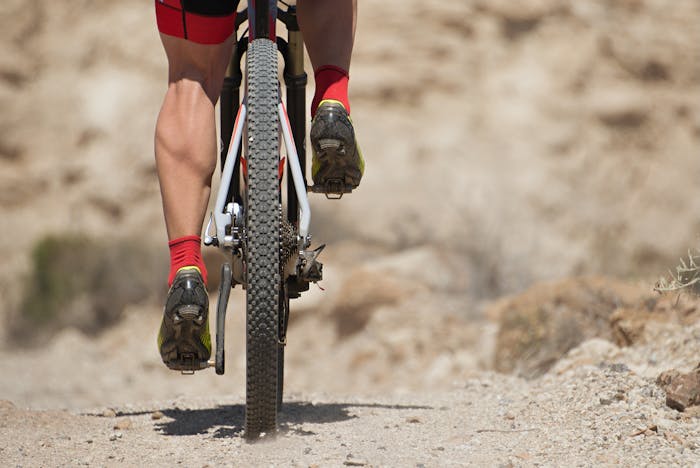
201, 21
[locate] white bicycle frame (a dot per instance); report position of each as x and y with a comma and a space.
226, 216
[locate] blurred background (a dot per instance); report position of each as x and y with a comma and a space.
507, 144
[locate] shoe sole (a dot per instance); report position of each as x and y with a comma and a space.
183, 349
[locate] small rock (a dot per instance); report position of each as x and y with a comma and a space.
157, 415
619, 367
123, 424
666, 377
510, 416
109, 413
682, 390
115, 436
413, 420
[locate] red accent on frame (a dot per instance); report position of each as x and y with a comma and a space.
273, 29
281, 169
235, 126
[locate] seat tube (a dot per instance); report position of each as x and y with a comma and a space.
230, 97
229, 104
295, 79
262, 16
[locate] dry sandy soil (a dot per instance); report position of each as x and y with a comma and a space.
532, 169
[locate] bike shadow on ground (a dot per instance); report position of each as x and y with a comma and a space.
228, 420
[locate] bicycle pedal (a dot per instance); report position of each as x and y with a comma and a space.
188, 364
333, 189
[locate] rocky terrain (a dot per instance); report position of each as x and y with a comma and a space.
532, 170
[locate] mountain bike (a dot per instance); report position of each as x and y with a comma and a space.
261, 216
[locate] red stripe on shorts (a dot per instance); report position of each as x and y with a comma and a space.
169, 19
209, 29
196, 28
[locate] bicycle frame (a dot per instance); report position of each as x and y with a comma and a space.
226, 218
292, 123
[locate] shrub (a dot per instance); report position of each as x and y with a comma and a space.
686, 278
85, 283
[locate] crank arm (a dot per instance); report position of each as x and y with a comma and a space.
224, 291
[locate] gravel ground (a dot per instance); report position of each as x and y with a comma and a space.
594, 415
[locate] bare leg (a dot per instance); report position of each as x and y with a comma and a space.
328, 27
185, 141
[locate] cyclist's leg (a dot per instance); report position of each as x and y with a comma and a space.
185, 142
185, 147
329, 34
328, 27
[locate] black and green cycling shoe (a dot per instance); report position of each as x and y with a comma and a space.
337, 165
184, 341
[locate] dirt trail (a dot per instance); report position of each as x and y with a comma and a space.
599, 404
508, 144
592, 416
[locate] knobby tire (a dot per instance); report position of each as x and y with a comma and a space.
263, 222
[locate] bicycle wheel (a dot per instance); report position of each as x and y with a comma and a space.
262, 244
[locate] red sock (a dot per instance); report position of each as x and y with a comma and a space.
186, 252
331, 83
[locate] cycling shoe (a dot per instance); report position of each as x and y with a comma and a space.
184, 340
337, 165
